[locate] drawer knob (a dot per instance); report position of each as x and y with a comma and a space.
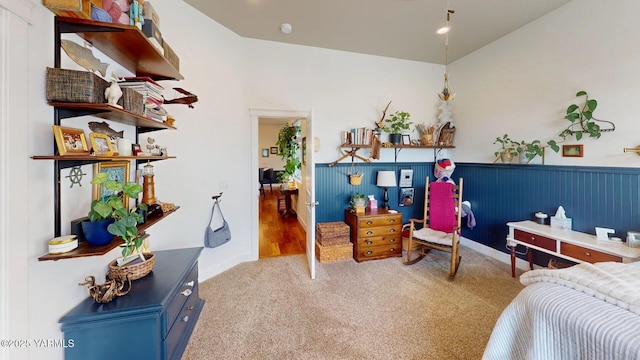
369, 232
392, 230
392, 240
190, 283
369, 252
369, 222
587, 254
392, 249
368, 242
185, 318
392, 220
186, 292
191, 307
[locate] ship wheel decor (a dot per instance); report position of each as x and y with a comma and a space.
75, 176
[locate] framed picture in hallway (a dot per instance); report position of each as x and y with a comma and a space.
265, 152
274, 150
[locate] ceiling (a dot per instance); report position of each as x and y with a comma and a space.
403, 29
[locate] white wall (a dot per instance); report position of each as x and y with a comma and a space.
268, 135
345, 90
213, 155
14, 274
523, 83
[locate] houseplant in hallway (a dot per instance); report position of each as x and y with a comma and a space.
288, 145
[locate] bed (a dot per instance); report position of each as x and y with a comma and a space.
587, 311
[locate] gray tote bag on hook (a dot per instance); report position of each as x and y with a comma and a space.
221, 234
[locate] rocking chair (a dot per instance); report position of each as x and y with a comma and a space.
439, 228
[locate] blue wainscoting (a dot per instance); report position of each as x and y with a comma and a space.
499, 193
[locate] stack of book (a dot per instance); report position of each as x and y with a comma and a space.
152, 96
357, 136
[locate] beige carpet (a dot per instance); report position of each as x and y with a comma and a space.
382, 309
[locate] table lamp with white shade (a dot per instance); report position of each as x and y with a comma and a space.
385, 180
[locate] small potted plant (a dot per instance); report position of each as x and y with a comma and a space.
358, 202
527, 151
395, 124
104, 211
507, 148
124, 221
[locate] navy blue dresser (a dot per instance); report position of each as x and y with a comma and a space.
153, 321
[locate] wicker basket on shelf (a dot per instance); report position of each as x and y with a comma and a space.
135, 271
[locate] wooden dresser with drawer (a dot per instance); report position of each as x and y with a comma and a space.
375, 234
571, 245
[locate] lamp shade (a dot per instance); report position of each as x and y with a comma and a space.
386, 179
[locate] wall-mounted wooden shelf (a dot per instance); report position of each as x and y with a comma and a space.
353, 149
108, 112
85, 250
125, 44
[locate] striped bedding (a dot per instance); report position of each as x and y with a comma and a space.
588, 311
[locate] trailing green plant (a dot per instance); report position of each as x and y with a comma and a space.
397, 122
112, 207
288, 149
529, 149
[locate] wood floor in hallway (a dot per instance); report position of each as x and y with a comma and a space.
277, 236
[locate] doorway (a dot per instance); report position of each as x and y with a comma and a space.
276, 235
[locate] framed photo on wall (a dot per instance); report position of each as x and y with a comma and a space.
406, 197
274, 150
70, 141
265, 152
117, 170
573, 150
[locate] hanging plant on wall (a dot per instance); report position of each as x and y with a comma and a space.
288, 146
582, 122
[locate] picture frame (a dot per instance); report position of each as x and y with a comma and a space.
265, 152
406, 139
136, 149
406, 197
573, 150
101, 144
274, 150
117, 170
70, 141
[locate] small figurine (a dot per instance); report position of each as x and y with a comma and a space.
113, 92
109, 290
136, 16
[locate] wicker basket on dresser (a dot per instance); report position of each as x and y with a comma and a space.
376, 234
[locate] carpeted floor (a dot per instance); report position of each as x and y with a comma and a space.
382, 309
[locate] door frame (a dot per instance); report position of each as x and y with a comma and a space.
255, 114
